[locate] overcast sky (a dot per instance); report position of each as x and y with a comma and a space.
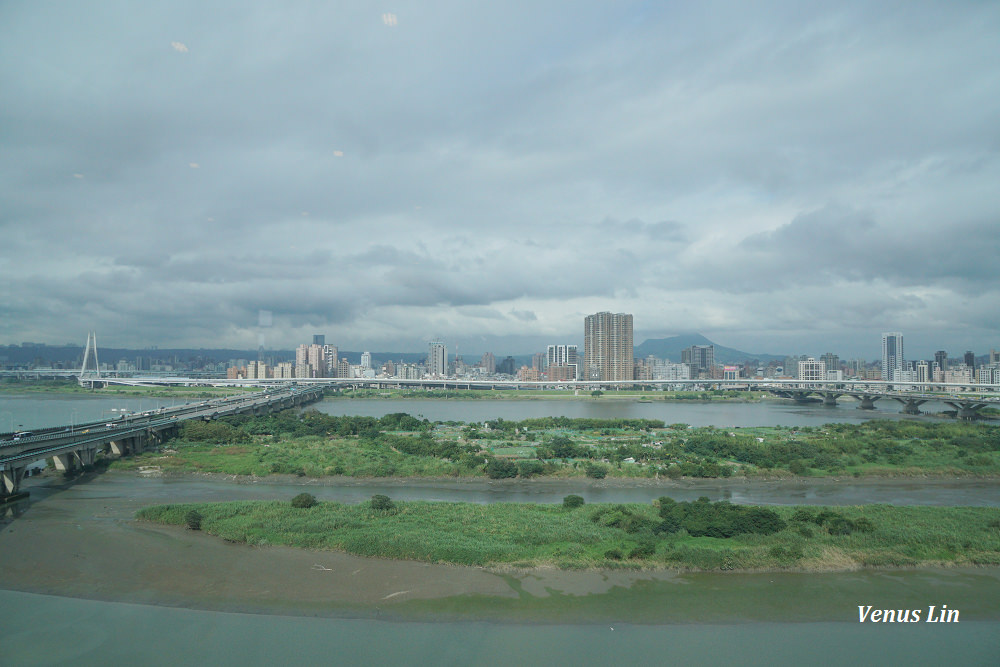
780, 178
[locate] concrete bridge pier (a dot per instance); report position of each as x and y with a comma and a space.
10, 481
124, 446
63, 462
85, 457
911, 406
830, 398
868, 401
801, 396
967, 410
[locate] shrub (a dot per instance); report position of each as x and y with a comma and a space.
803, 514
863, 525
304, 500
381, 503
798, 468
614, 554
595, 471
193, 520
528, 469
501, 469
839, 526
572, 502
644, 549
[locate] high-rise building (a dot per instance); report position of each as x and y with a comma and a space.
831, 360
488, 363
563, 355
317, 360
437, 359
366, 360
811, 370
941, 359
538, 361
607, 346
701, 359
892, 356
330, 353
319, 339
507, 366
970, 359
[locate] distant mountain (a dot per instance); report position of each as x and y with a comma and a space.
670, 348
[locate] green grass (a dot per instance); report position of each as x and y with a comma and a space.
321, 445
531, 535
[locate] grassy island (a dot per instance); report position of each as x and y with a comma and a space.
398, 445
699, 535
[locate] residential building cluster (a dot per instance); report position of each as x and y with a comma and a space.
607, 355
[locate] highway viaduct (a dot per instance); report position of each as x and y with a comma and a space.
77, 446
966, 399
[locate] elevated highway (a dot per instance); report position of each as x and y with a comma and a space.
77, 446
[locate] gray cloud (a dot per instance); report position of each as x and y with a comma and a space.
476, 172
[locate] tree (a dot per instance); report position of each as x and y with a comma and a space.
304, 500
572, 502
597, 393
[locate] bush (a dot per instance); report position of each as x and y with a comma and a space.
381, 503
193, 520
304, 500
798, 468
595, 471
614, 554
644, 549
572, 502
501, 469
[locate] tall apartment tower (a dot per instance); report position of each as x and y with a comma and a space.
488, 363
701, 359
607, 347
892, 356
941, 359
437, 359
563, 355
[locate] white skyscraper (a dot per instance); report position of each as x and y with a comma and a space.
437, 359
892, 356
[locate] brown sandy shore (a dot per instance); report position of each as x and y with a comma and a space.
80, 540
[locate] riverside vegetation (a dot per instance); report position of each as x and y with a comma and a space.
699, 535
316, 445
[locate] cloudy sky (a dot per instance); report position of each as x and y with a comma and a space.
778, 177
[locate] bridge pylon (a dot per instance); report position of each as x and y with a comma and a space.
89, 377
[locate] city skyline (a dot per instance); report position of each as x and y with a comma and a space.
795, 179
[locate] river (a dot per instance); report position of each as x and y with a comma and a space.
83, 583
33, 411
